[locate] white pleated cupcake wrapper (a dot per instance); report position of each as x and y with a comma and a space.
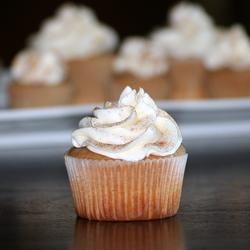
121, 190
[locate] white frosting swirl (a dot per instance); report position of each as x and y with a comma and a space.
189, 18
141, 58
75, 32
131, 130
232, 50
189, 34
37, 67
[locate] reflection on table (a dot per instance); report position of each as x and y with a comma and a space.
138, 235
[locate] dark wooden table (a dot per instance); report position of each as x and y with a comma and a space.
36, 208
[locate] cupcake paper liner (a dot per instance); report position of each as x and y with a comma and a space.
89, 77
226, 83
159, 86
39, 95
117, 190
189, 79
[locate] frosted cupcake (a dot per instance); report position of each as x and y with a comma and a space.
189, 34
38, 79
127, 162
228, 62
86, 44
141, 64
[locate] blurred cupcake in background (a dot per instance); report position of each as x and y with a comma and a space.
85, 44
228, 62
140, 63
189, 34
39, 79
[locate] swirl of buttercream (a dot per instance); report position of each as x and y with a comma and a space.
75, 32
189, 18
190, 33
140, 57
38, 67
232, 50
131, 130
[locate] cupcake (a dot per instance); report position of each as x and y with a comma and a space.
86, 45
127, 162
39, 79
189, 34
141, 64
228, 62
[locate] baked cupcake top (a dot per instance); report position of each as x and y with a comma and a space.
131, 130
232, 50
75, 33
189, 33
38, 67
141, 58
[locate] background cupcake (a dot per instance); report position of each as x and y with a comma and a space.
228, 62
189, 34
39, 79
140, 63
127, 162
85, 44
